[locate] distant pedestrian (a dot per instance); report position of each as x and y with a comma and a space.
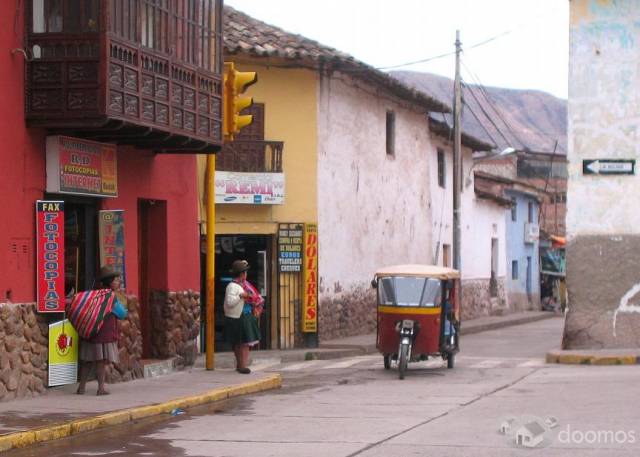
103, 347
241, 325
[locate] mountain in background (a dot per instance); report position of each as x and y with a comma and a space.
524, 119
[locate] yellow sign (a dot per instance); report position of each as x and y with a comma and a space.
310, 303
63, 353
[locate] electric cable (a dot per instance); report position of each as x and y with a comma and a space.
490, 102
489, 118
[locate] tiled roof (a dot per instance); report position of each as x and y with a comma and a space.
244, 35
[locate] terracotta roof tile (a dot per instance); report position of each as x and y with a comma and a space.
245, 35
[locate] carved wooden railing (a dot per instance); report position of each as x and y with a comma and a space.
251, 157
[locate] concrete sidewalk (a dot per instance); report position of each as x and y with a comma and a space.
62, 413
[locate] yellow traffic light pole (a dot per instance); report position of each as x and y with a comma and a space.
235, 83
211, 259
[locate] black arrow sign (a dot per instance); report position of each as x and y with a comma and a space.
609, 167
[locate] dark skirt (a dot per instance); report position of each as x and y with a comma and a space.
243, 330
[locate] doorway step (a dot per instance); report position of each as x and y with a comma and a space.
152, 368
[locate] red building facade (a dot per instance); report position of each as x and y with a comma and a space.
156, 170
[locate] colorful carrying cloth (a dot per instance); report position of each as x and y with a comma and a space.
88, 309
256, 301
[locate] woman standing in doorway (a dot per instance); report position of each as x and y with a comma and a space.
103, 348
241, 326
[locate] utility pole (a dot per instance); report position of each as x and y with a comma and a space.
457, 157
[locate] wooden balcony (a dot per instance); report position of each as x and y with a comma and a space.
126, 73
251, 156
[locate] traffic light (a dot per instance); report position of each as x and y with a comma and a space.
235, 83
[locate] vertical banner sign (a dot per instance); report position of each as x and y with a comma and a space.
50, 256
290, 248
111, 228
310, 296
63, 354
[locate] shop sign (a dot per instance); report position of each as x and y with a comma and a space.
249, 188
63, 353
82, 167
50, 256
111, 240
310, 295
290, 247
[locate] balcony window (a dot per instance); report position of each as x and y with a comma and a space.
65, 16
139, 72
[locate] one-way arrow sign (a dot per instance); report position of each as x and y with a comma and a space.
609, 167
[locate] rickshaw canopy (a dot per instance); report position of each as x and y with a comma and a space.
429, 271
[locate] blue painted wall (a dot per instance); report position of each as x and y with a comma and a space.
518, 250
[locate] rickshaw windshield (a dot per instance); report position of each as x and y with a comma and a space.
409, 291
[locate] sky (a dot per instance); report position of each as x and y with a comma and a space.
530, 49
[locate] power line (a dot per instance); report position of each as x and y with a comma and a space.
489, 118
490, 102
479, 122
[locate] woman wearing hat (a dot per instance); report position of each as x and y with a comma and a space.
241, 326
103, 348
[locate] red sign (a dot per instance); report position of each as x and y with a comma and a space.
76, 166
50, 256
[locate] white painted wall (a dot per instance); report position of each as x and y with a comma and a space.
373, 210
481, 220
604, 117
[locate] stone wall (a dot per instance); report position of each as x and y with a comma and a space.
477, 300
347, 313
23, 351
175, 325
129, 346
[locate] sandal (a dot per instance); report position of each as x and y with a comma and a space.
243, 370
80, 391
102, 392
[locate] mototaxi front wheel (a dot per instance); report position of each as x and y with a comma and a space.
403, 360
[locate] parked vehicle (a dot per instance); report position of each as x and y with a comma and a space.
418, 314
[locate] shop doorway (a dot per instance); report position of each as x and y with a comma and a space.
80, 243
257, 250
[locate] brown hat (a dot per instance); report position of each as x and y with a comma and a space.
107, 272
239, 266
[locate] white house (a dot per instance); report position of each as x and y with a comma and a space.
530, 434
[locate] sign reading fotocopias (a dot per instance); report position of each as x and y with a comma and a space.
83, 167
50, 256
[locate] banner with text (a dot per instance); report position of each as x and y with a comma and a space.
50, 256
310, 295
76, 166
290, 247
249, 188
111, 235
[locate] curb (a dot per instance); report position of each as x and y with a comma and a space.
586, 358
506, 323
86, 424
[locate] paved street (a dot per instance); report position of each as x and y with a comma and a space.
350, 407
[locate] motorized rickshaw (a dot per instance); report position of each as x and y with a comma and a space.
418, 314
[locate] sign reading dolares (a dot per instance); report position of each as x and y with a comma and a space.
50, 256
310, 295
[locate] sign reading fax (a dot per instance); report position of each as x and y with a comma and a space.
250, 188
